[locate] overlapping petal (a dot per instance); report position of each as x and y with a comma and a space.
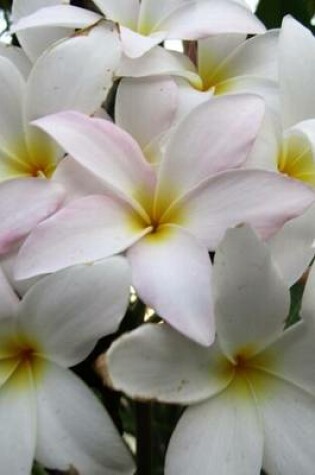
92, 300
87, 61
243, 196
168, 263
8, 298
74, 428
121, 11
23, 204
292, 246
198, 150
35, 42
104, 149
18, 423
288, 416
87, 229
251, 299
146, 107
296, 72
197, 19
143, 365
222, 436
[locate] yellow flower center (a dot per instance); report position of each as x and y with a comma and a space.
39, 160
20, 361
296, 159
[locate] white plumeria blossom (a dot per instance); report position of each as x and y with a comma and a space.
146, 24
286, 142
46, 412
252, 394
165, 220
28, 158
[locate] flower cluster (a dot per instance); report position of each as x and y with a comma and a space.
186, 175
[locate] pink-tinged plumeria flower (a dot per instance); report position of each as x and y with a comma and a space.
252, 394
165, 220
286, 143
146, 24
46, 412
28, 158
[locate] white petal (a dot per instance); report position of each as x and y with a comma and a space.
172, 262
76, 180
143, 365
243, 196
251, 299
197, 149
289, 423
70, 310
87, 229
291, 247
146, 107
67, 16
17, 56
213, 51
267, 147
24, 203
195, 20
160, 61
12, 91
18, 424
297, 72
291, 357
135, 45
87, 62
222, 436
124, 12
8, 299
35, 42
255, 57
189, 98
74, 428
267, 89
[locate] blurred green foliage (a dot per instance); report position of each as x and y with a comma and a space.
271, 12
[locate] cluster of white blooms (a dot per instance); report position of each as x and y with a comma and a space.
123, 163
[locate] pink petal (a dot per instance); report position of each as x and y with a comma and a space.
105, 150
210, 139
265, 200
23, 204
88, 229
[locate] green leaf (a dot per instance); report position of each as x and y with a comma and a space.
271, 12
38, 470
296, 301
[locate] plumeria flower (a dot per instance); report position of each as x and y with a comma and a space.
28, 158
165, 220
287, 144
146, 24
164, 86
252, 394
46, 412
